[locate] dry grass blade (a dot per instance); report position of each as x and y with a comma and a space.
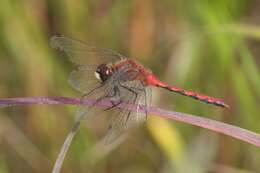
64, 149
216, 126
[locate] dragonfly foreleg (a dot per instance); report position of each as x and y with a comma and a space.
114, 104
87, 94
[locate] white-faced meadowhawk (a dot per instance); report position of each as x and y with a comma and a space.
103, 74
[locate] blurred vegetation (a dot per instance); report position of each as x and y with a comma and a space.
205, 46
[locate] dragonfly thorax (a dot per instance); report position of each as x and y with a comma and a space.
103, 72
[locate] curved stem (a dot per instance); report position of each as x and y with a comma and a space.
216, 126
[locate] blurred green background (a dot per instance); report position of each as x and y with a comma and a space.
207, 46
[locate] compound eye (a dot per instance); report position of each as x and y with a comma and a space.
108, 71
103, 72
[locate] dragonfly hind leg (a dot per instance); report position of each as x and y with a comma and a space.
130, 89
113, 105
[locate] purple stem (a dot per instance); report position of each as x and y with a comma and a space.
216, 126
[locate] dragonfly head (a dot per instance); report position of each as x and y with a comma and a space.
103, 72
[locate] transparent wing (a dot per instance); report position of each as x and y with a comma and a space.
100, 93
147, 100
82, 112
124, 119
143, 101
83, 78
83, 53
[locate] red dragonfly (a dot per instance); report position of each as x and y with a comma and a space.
104, 74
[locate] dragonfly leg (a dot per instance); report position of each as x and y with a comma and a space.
145, 100
113, 105
146, 104
135, 98
145, 92
116, 91
87, 94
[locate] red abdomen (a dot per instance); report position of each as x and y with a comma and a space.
153, 81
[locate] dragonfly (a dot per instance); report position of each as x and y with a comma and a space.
103, 74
